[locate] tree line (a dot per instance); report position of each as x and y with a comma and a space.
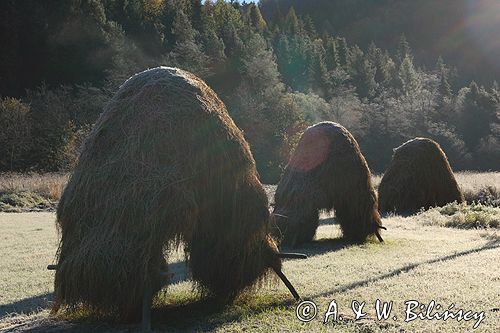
63, 60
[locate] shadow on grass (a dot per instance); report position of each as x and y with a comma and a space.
27, 305
328, 221
206, 315
202, 315
40, 302
493, 244
323, 245
186, 312
43, 325
320, 246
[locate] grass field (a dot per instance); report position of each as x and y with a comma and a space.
420, 260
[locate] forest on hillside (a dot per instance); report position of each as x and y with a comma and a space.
464, 32
279, 66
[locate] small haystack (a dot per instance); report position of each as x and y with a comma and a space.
419, 176
326, 171
164, 164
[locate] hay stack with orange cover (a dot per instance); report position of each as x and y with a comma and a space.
326, 171
419, 176
164, 164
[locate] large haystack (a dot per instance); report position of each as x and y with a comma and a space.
419, 176
164, 164
326, 171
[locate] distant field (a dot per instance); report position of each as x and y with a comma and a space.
420, 260
40, 192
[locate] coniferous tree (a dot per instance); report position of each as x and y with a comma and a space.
182, 29
317, 70
366, 86
283, 57
344, 52
255, 18
332, 54
408, 77
384, 66
479, 111
196, 15
213, 45
309, 27
444, 88
403, 51
187, 53
292, 25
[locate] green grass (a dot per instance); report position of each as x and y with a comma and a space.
24, 200
419, 260
463, 216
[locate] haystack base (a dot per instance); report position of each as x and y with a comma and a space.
147, 301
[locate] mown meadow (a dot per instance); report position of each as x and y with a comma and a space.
446, 254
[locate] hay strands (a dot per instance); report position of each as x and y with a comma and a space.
162, 274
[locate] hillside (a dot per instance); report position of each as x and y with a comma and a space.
463, 32
277, 73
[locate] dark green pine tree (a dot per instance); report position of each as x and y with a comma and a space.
196, 15
297, 73
444, 88
187, 53
213, 46
283, 57
332, 54
182, 29
362, 72
344, 52
255, 18
409, 80
366, 86
309, 27
383, 65
232, 40
479, 112
403, 50
317, 70
292, 25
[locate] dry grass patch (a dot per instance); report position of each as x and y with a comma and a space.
30, 192
480, 187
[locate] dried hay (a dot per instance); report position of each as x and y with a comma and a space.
164, 164
419, 176
326, 171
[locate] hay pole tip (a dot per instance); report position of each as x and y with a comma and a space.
291, 255
288, 284
380, 239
